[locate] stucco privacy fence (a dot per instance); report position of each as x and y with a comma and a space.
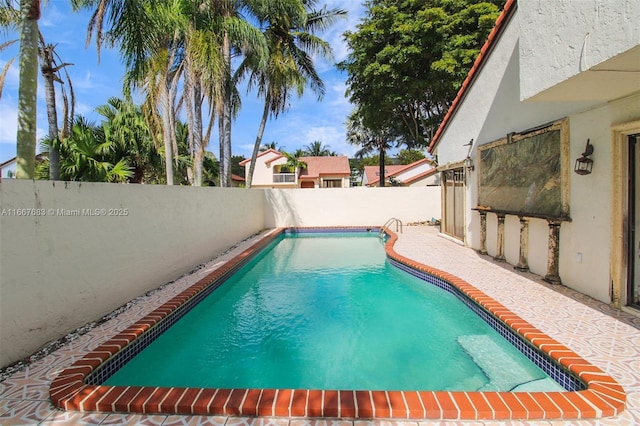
73, 252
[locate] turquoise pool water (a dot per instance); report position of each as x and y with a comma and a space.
328, 311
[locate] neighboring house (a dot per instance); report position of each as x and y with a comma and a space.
554, 79
321, 172
237, 181
8, 169
418, 173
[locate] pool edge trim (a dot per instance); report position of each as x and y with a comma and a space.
604, 397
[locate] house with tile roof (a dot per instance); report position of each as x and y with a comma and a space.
8, 168
540, 154
418, 173
320, 172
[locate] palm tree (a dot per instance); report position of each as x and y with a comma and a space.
271, 145
148, 36
236, 35
125, 128
88, 156
318, 149
28, 88
291, 39
51, 68
9, 18
369, 141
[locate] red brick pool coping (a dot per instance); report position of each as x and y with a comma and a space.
603, 396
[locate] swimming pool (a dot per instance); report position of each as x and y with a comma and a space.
80, 387
327, 311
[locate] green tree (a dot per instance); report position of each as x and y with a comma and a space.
407, 60
408, 156
370, 141
88, 156
146, 34
125, 128
290, 28
236, 35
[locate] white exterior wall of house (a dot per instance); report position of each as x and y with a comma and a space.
493, 107
593, 31
263, 172
430, 180
8, 171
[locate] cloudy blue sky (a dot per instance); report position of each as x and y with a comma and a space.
95, 82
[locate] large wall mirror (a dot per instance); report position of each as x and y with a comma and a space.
527, 173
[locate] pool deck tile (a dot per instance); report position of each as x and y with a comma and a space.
604, 342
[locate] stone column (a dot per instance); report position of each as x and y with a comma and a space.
483, 232
553, 260
499, 257
523, 263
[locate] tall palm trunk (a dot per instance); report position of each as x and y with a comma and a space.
48, 73
256, 146
224, 122
382, 161
28, 88
168, 130
198, 142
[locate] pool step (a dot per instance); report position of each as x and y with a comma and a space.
504, 371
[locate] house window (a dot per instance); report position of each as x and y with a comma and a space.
453, 185
332, 183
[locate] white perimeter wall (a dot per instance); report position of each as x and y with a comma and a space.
353, 206
65, 268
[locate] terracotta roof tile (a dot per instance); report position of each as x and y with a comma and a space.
323, 166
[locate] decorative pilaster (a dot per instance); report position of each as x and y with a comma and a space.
483, 232
523, 263
499, 257
553, 260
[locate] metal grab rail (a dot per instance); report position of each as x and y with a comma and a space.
389, 222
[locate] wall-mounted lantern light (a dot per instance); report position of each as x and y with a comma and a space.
584, 164
468, 164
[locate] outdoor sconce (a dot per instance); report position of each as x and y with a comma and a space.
584, 164
468, 164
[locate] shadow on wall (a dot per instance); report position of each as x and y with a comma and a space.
283, 208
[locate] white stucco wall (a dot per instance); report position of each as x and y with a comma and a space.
59, 272
560, 39
61, 267
493, 108
355, 206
